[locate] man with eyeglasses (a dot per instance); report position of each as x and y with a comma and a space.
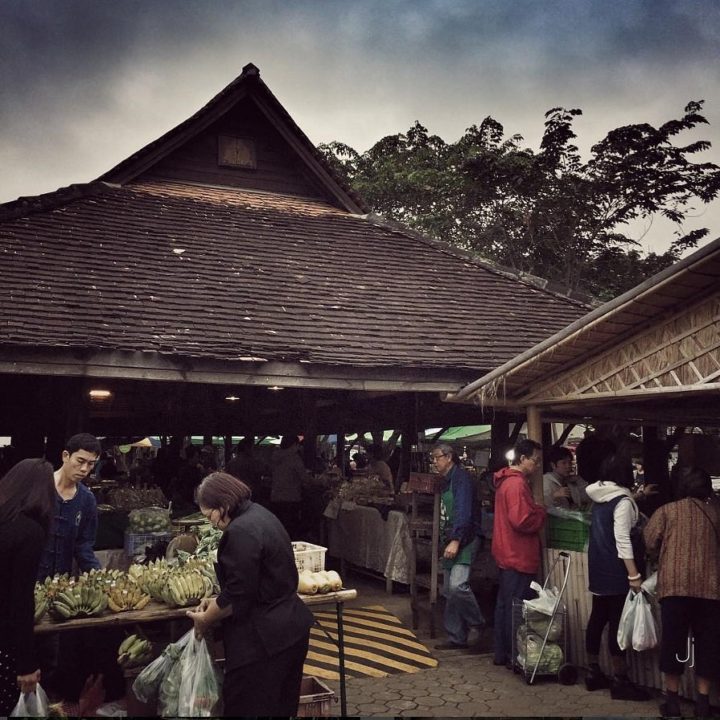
459, 535
75, 523
516, 540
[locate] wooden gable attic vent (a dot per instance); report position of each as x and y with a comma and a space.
236, 152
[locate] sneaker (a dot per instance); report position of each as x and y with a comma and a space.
450, 645
596, 679
622, 689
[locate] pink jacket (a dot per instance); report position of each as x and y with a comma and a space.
518, 519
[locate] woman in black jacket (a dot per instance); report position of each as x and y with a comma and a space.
265, 625
27, 501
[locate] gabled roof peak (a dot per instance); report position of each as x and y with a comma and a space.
247, 85
250, 70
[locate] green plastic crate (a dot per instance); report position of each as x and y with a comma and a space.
567, 534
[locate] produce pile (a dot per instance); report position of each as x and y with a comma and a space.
529, 647
176, 585
179, 585
133, 498
209, 541
364, 489
322, 581
148, 520
183, 680
134, 650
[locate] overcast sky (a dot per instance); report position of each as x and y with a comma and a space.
85, 83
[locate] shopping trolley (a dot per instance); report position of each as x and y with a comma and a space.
540, 640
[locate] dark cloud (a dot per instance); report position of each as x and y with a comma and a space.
84, 83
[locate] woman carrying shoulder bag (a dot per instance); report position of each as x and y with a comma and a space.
686, 534
614, 566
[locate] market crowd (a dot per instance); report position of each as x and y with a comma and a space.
48, 524
681, 539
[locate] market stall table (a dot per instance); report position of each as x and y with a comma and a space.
361, 537
155, 611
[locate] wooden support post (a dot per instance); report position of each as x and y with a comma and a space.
534, 432
308, 417
499, 439
409, 438
340, 457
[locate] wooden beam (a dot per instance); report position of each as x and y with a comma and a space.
156, 367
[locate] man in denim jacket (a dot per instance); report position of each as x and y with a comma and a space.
75, 523
459, 536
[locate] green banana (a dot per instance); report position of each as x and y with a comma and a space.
126, 644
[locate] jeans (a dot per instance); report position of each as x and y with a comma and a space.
461, 608
513, 584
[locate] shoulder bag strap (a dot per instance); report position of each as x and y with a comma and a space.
698, 504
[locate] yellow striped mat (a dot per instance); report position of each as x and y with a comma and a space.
376, 644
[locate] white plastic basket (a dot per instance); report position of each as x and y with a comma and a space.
135, 543
308, 556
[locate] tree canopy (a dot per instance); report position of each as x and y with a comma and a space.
544, 212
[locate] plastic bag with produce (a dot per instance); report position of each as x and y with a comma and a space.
149, 682
199, 691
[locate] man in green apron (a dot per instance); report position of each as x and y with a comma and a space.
460, 543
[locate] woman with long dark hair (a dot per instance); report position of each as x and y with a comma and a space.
27, 502
265, 625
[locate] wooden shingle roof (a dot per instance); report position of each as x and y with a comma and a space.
175, 266
228, 274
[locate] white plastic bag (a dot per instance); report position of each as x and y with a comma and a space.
148, 683
545, 601
650, 584
644, 634
199, 691
34, 704
627, 620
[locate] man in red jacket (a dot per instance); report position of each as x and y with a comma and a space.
516, 540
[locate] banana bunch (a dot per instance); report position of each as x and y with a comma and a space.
134, 650
153, 584
205, 566
150, 577
183, 588
41, 601
56, 584
78, 600
126, 595
102, 578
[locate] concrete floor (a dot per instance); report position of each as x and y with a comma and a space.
466, 683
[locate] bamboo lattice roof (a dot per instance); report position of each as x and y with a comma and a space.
651, 353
